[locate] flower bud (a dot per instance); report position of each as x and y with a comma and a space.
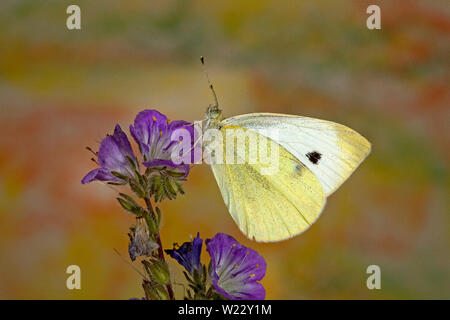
159, 271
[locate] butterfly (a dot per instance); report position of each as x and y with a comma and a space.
314, 158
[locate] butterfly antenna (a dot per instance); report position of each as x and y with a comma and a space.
133, 267
202, 60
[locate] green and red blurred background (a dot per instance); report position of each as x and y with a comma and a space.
62, 90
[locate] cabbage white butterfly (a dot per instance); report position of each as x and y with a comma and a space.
314, 158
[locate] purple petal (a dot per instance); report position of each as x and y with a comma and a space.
182, 141
188, 254
247, 291
164, 144
123, 143
90, 176
109, 154
197, 243
147, 127
113, 155
183, 168
177, 124
159, 163
99, 174
247, 266
143, 147
235, 268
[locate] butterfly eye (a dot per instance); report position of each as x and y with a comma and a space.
213, 112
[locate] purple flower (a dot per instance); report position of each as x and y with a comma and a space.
114, 155
236, 269
188, 254
160, 142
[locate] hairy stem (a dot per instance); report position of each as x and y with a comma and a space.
160, 247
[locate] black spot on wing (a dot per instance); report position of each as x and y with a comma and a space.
314, 157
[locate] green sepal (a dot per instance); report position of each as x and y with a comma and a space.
175, 174
119, 175
129, 199
163, 186
117, 183
153, 226
154, 291
204, 273
133, 163
188, 278
130, 207
158, 216
137, 189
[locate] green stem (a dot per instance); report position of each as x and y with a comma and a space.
160, 247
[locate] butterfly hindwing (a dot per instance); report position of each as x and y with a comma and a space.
270, 207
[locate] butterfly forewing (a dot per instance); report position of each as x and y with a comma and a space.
330, 150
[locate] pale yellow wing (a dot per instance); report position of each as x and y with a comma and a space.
270, 207
330, 150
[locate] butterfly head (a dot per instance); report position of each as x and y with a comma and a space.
213, 113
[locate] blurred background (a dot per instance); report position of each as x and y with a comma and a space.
62, 90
